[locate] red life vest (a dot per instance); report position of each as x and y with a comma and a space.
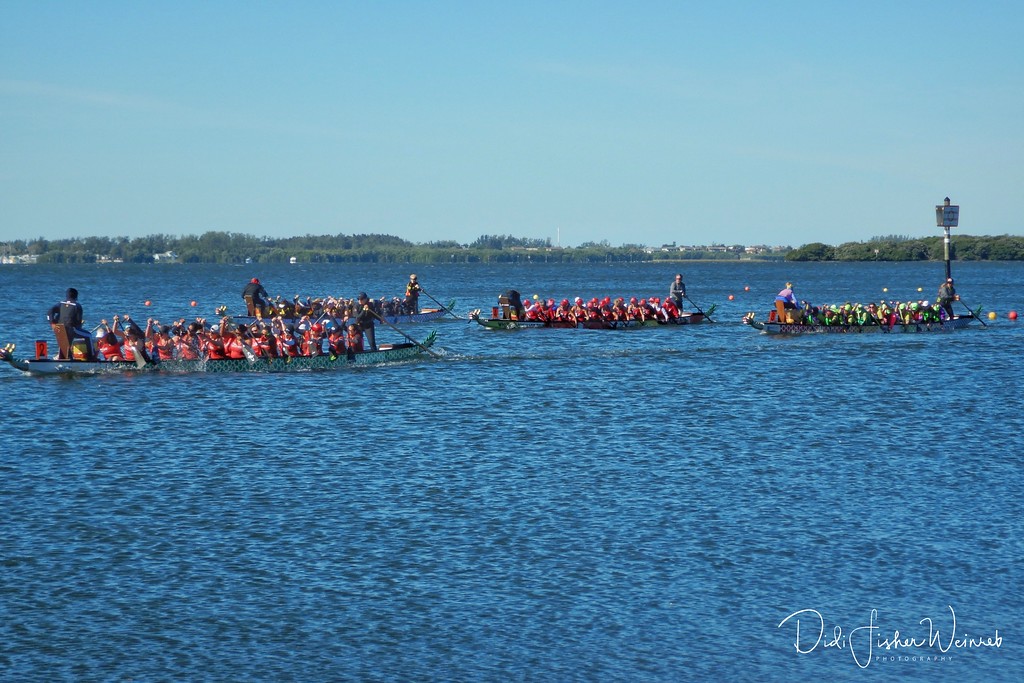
355, 341
290, 347
261, 346
164, 348
110, 351
337, 342
233, 347
214, 348
186, 349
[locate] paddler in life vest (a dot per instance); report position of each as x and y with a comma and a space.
264, 343
355, 339
232, 339
161, 344
412, 295
578, 312
563, 312
336, 340
313, 340
134, 343
109, 345
213, 345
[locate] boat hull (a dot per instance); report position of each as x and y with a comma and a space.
502, 324
424, 316
789, 329
385, 354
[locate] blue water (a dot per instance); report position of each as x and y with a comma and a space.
639, 505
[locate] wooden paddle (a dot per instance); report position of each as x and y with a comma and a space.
139, 353
442, 306
699, 310
397, 329
973, 314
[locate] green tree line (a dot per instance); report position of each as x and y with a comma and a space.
228, 247
895, 248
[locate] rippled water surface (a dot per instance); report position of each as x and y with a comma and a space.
537, 505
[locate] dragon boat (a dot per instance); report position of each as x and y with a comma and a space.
385, 353
424, 316
775, 326
502, 323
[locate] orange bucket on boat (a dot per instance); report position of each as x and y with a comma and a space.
41, 350
494, 312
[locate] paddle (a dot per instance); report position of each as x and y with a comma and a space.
249, 354
396, 328
885, 328
442, 306
699, 310
971, 311
136, 342
138, 353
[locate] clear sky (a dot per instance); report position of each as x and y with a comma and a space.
636, 123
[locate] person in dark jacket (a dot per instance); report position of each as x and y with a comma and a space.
365, 319
946, 297
515, 303
677, 291
258, 294
69, 314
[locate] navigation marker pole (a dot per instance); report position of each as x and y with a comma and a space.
947, 216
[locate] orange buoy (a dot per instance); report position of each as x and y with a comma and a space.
193, 303
747, 288
1012, 315
147, 302
731, 297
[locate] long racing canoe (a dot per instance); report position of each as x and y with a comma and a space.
424, 316
494, 323
385, 353
774, 327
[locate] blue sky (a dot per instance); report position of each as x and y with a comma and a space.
635, 123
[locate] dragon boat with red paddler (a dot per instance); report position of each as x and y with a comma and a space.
385, 353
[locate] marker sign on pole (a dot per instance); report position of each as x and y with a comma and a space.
947, 216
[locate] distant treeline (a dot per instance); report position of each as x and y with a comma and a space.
895, 248
225, 247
